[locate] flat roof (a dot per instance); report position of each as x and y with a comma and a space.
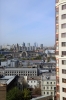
20, 68
49, 77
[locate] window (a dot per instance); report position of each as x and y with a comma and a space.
64, 98
63, 53
47, 87
63, 44
63, 71
44, 87
50, 82
64, 89
63, 80
63, 25
63, 16
47, 92
63, 62
63, 35
47, 83
54, 82
44, 92
63, 6
51, 93
51, 87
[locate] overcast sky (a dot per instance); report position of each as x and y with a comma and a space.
27, 21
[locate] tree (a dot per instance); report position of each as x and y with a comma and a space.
14, 94
1, 55
26, 94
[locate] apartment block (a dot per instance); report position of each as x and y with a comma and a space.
60, 37
48, 84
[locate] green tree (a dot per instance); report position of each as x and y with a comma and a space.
26, 94
1, 55
14, 94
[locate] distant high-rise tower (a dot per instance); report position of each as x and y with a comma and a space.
60, 30
28, 44
41, 46
35, 44
23, 44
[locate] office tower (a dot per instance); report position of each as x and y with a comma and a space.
35, 44
23, 44
28, 44
41, 46
60, 25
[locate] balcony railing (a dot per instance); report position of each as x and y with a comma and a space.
57, 13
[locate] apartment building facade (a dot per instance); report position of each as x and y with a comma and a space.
48, 84
34, 82
60, 33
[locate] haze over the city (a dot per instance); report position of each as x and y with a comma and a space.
27, 21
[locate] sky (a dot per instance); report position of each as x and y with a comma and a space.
27, 21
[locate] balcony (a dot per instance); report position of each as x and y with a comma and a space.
57, 13
57, 1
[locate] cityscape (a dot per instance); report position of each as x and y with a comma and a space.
34, 70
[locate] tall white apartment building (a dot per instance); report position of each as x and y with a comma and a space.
60, 30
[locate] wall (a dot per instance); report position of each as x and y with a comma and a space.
3, 92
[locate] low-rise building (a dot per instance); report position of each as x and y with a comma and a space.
48, 84
50, 53
21, 71
1, 71
34, 81
6, 83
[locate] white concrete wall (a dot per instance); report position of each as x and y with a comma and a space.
44, 88
33, 83
61, 21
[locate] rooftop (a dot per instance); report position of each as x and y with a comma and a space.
49, 51
6, 79
49, 76
34, 78
21, 68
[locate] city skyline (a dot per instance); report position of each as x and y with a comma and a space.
35, 18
